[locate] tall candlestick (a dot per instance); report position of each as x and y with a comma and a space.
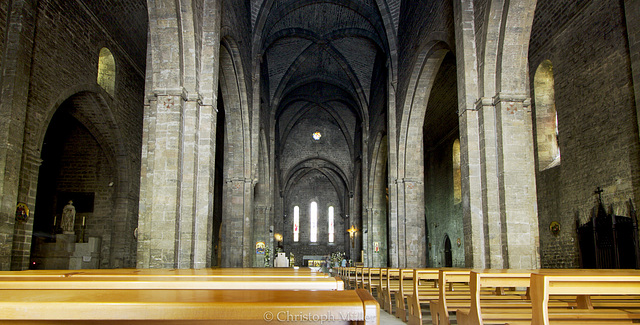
54, 220
83, 221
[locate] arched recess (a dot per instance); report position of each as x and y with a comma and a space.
442, 164
410, 191
378, 196
546, 117
84, 157
237, 217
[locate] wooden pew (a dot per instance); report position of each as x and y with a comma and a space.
373, 281
257, 278
390, 286
425, 289
358, 277
404, 291
515, 307
209, 272
450, 297
186, 306
135, 282
382, 286
586, 284
350, 273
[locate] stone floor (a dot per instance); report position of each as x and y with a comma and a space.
387, 319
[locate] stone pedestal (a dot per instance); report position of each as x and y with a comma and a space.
86, 255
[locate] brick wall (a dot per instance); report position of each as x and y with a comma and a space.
418, 19
65, 60
598, 136
314, 187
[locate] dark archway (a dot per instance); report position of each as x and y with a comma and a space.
448, 256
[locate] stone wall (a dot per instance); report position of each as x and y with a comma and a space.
65, 61
421, 24
586, 42
314, 188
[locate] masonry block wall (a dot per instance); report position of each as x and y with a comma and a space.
443, 214
421, 24
3, 25
236, 25
64, 63
315, 188
586, 42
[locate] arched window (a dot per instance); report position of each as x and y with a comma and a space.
331, 227
546, 117
457, 176
296, 223
107, 71
313, 220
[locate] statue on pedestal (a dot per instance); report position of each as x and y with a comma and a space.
68, 217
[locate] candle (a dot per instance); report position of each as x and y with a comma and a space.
54, 220
83, 221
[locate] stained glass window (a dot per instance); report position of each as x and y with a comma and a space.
296, 223
317, 136
313, 236
331, 227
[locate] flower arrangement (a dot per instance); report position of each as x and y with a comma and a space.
336, 258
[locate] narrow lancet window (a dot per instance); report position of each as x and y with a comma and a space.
457, 175
546, 117
107, 71
331, 227
313, 220
296, 223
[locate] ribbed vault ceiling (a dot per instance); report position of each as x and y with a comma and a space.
319, 57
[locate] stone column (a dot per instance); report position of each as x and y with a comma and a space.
470, 140
14, 88
415, 242
233, 223
516, 182
158, 223
490, 194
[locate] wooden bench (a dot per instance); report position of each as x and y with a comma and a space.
587, 285
511, 309
210, 272
450, 299
359, 277
186, 306
425, 289
350, 274
373, 281
391, 277
382, 286
171, 282
229, 278
403, 292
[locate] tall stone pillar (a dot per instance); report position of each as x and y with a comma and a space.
237, 246
490, 187
158, 222
516, 182
415, 254
14, 88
